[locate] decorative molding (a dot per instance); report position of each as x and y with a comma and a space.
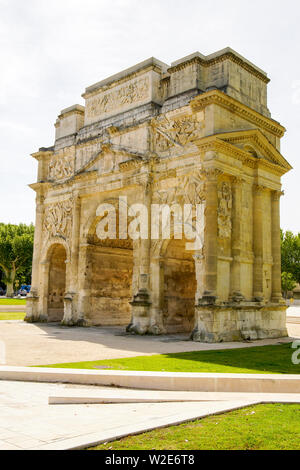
228, 55
214, 143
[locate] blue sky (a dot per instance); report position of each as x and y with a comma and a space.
51, 50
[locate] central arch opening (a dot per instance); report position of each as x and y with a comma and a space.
179, 288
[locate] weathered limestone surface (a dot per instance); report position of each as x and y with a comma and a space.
197, 132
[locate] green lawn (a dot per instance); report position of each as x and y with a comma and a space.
12, 316
260, 427
12, 301
259, 360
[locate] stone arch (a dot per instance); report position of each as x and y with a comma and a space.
109, 273
179, 286
46, 252
55, 278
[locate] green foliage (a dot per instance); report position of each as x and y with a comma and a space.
16, 248
290, 254
287, 282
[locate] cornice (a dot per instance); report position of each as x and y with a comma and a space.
221, 99
227, 55
258, 138
215, 144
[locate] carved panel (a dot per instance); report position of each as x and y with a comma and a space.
176, 132
135, 91
58, 219
61, 167
189, 189
224, 210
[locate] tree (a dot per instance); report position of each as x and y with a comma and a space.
287, 283
290, 254
16, 248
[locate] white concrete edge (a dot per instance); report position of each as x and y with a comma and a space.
94, 439
255, 383
68, 372
67, 400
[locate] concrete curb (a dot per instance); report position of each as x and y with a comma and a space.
252, 383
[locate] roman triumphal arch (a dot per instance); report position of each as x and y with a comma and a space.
157, 208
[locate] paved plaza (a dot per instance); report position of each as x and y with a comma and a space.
27, 421
29, 344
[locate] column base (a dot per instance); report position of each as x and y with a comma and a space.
217, 324
32, 310
69, 318
140, 322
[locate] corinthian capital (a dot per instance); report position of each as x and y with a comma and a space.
276, 195
212, 174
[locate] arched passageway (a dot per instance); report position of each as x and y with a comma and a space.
179, 288
56, 282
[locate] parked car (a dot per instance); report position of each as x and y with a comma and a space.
22, 292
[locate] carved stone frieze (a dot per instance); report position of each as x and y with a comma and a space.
135, 91
169, 132
61, 167
58, 219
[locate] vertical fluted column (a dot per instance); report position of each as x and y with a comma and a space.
258, 289
140, 322
38, 231
236, 240
75, 243
276, 246
32, 305
211, 235
71, 297
84, 286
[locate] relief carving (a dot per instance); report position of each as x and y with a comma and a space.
61, 168
189, 189
224, 210
58, 219
176, 132
138, 90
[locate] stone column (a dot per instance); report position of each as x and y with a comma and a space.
84, 287
157, 296
211, 236
258, 214
140, 322
236, 240
206, 266
276, 247
71, 297
33, 297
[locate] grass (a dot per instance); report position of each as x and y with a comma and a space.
12, 301
12, 316
275, 359
260, 427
